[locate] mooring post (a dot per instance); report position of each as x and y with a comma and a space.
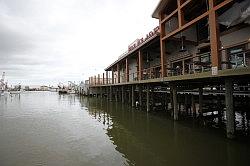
230, 115
175, 102
200, 101
132, 96
147, 96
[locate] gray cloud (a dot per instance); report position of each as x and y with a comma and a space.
51, 41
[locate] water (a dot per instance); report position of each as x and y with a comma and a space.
44, 128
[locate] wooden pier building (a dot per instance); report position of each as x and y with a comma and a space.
200, 48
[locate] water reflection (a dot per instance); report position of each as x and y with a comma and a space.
148, 139
51, 129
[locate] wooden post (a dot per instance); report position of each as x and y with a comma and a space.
140, 94
118, 73
113, 76
175, 102
140, 65
127, 70
122, 94
147, 96
110, 93
107, 77
193, 106
98, 79
186, 103
200, 100
103, 79
95, 80
132, 96
230, 115
163, 47
116, 94
180, 14
214, 36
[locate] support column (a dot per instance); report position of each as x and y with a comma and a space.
148, 100
163, 48
132, 96
200, 101
140, 95
122, 94
230, 115
175, 102
118, 73
110, 93
103, 79
127, 70
186, 103
101, 93
214, 36
140, 65
116, 94
193, 106
107, 77
113, 78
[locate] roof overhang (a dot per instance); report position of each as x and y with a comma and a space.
159, 8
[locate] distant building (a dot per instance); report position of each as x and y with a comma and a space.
44, 88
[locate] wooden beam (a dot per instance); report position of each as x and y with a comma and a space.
187, 25
222, 4
169, 16
180, 14
185, 3
163, 50
214, 36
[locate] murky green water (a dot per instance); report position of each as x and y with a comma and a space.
44, 128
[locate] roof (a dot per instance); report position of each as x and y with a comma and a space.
159, 8
128, 53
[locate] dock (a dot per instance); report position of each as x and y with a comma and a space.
191, 58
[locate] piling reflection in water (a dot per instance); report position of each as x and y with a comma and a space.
50, 129
153, 139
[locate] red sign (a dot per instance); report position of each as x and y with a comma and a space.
139, 42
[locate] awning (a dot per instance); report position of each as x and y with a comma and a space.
238, 13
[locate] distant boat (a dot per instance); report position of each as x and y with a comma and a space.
15, 92
71, 91
62, 91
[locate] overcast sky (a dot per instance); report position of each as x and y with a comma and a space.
52, 41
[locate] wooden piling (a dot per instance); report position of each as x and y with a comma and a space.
122, 94
132, 96
230, 115
147, 96
193, 106
200, 101
175, 102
